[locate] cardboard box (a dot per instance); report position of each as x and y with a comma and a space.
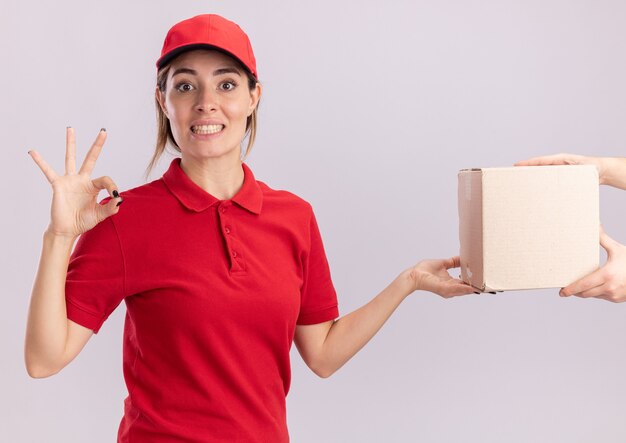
528, 227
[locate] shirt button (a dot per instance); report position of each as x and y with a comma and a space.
234, 254
227, 230
222, 209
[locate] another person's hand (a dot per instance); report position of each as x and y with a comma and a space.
433, 276
611, 170
566, 159
608, 282
75, 209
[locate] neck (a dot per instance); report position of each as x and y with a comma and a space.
222, 178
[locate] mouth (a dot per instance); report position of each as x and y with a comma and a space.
206, 129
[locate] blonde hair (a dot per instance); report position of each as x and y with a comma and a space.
164, 130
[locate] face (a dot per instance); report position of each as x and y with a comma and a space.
207, 102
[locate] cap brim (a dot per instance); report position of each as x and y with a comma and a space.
167, 58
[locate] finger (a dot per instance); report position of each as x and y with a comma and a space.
70, 151
528, 162
593, 292
452, 262
456, 287
584, 284
90, 159
535, 161
112, 207
45, 167
462, 289
106, 182
556, 159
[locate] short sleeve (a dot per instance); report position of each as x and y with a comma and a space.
94, 286
318, 297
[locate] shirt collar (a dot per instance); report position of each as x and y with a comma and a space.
195, 198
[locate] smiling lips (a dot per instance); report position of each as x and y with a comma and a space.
206, 129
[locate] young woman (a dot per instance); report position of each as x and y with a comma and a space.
608, 282
219, 272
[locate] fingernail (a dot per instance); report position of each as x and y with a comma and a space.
68, 127
115, 193
119, 203
103, 129
476, 292
29, 152
492, 292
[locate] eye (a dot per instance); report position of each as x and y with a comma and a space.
184, 87
228, 85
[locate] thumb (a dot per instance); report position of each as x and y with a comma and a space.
110, 208
607, 242
452, 262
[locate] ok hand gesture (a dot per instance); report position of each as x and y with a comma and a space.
75, 209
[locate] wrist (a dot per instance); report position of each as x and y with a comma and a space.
612, 171
604, 168
407, 282
56, 238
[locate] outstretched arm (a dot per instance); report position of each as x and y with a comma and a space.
325, 347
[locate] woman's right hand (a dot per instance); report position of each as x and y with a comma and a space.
433, 276
75, 208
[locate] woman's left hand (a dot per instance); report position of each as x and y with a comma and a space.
433, 276
608, 282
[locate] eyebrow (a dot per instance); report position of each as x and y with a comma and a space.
220, 71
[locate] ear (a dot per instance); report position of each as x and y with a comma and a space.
255, 96
161, 99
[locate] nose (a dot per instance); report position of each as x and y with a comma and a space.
208, 100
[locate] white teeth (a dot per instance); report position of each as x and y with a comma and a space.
206, 129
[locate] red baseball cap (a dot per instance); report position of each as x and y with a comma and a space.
208, 31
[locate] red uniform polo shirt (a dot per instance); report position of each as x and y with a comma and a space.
213, 291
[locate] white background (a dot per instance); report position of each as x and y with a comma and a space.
369, 110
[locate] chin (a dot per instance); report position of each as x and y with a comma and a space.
206, 154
